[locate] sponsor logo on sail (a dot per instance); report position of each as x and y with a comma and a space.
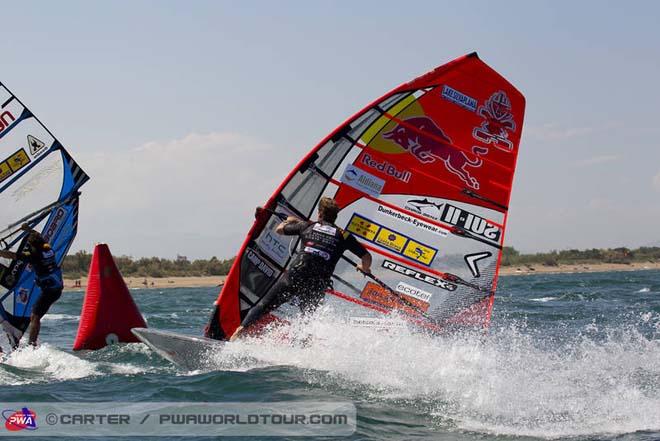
412, 221
456, 97
470, 222
23, 296
13, 164
55, 223
417, 275
5, 171
381, 296
419, 252
362, 181
373, 322
458, 217
273, 247
35, 144
18, 160
420, 206
387, 168
413, 292
6, 118
498, 122
260, 264
391, 240
363, 227
472, 259
10, 276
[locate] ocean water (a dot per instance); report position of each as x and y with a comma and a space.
573, 356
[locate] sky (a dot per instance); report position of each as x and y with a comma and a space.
188, 114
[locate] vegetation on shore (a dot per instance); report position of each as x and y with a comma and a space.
77, 265
511, 257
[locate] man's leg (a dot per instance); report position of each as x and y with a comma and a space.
40, 308
276, 297
35, 327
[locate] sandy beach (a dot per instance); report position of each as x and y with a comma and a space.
153, 282
207, 281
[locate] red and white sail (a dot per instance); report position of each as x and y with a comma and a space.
423, 176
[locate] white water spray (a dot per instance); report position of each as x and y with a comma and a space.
512, 382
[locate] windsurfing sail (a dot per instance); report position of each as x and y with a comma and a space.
39, 186
423, 176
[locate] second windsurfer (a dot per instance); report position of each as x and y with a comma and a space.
48, 274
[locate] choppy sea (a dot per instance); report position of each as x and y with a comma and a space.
572, 356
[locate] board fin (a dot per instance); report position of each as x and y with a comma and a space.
108, 311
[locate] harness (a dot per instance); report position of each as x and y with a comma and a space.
320, 250
47, 272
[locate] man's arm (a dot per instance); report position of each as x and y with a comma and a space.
26, 227
11, 254
365, 266
359, 250
8, 255
290, 227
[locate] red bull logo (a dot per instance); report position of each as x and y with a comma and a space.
428, 143
498, 122
6, 118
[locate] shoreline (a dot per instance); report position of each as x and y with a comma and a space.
517, 270
154, 282
521, 270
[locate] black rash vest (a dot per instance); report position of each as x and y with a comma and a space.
322, 245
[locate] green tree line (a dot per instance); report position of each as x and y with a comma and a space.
77, 265
511, 256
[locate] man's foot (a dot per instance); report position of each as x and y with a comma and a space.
13, 341
13, 334
236, 333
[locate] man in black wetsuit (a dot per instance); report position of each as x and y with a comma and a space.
322, 245
48, 277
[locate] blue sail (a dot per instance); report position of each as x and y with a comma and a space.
39, 185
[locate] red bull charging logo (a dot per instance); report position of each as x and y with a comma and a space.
428, 143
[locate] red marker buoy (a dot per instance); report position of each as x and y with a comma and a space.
108, 311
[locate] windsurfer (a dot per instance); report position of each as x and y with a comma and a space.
48, 277
322, 245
